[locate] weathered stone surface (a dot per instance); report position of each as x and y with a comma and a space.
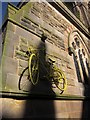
23, 41
69, 76
72, 108
21, 69
62, 115
21, 55
75, 115
9, 65
72, 90
70, 82
47, 27
11, 27
11, 40
33, 18
0, 109
12, 82
23, 47
9, 49
23, 63
39, 31
28, 25
26, 21
60, 106
0, 80
25, 34
35, 12
34, 41
51, 109
12, 108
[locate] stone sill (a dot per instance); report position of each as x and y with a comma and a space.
19, 95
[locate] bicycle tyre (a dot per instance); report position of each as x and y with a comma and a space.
21, 84
33, 69
60, 80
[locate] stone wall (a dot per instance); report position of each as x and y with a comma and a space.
18, 39
55, 109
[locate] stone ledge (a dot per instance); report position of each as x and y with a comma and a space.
20, 95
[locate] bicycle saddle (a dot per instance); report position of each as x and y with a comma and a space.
53, 61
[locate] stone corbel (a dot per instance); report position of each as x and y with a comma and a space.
72, 51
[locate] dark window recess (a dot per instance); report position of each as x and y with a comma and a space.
77, 69
80, 11
70, 6
83, 68
73, 8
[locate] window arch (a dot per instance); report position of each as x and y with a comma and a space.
79, 51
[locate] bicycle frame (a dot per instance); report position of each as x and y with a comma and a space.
50, 69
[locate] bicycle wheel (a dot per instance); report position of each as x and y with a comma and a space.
60, 80
33, 69
23, 81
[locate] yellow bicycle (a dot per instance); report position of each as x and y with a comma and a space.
54, 74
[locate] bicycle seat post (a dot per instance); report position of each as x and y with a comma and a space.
28, 51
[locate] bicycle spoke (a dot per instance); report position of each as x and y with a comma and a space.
33, 69
23, 85
20, 79
59, 80
34, 74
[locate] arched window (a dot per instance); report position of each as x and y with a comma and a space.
78, 50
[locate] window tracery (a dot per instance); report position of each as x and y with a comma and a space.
80, 58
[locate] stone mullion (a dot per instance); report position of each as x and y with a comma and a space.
79, 62
86, 69
80, 68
